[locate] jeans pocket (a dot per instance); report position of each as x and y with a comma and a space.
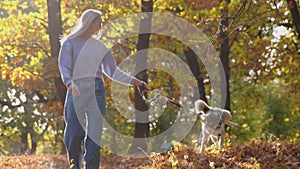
99, 88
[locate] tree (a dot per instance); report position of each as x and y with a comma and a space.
142, 129
28, 102
263, 59
259, 57
224, 56
55, 31
195, 68
293, 7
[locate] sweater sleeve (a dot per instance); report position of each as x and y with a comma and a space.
110, 69
65, 62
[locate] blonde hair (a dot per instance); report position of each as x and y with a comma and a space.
85, 20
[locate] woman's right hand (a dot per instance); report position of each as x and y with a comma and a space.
73, 88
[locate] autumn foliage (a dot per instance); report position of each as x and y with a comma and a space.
254, 154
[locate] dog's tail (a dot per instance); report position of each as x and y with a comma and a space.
230, 123
201, 106
227, 118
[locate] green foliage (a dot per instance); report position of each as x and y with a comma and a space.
283, 121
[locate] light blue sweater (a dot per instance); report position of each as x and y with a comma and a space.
82, 57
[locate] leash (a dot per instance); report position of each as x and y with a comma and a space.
156, 97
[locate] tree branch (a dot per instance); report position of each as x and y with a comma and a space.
9, 104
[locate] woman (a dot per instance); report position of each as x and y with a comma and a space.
82, 60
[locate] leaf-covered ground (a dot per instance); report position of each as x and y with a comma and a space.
254, 155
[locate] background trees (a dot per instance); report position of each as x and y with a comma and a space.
263, 41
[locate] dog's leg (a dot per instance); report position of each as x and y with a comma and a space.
221, 141
203, 142
212, 138
222, 137
203, 138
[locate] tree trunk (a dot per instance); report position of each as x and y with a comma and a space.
54, 31
224, 53
142, 129
292, 5
33, 148
191, 58
24, 142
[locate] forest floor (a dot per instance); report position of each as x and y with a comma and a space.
253, 155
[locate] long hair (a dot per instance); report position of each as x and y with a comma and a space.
85, 20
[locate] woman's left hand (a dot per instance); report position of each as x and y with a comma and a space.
141, 84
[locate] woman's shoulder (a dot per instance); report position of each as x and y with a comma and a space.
66, 42
98, 43
78, 42
96, 40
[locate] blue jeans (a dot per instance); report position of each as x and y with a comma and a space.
84, 123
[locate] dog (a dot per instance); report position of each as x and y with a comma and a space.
213, 122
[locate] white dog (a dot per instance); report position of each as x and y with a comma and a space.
213, 123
